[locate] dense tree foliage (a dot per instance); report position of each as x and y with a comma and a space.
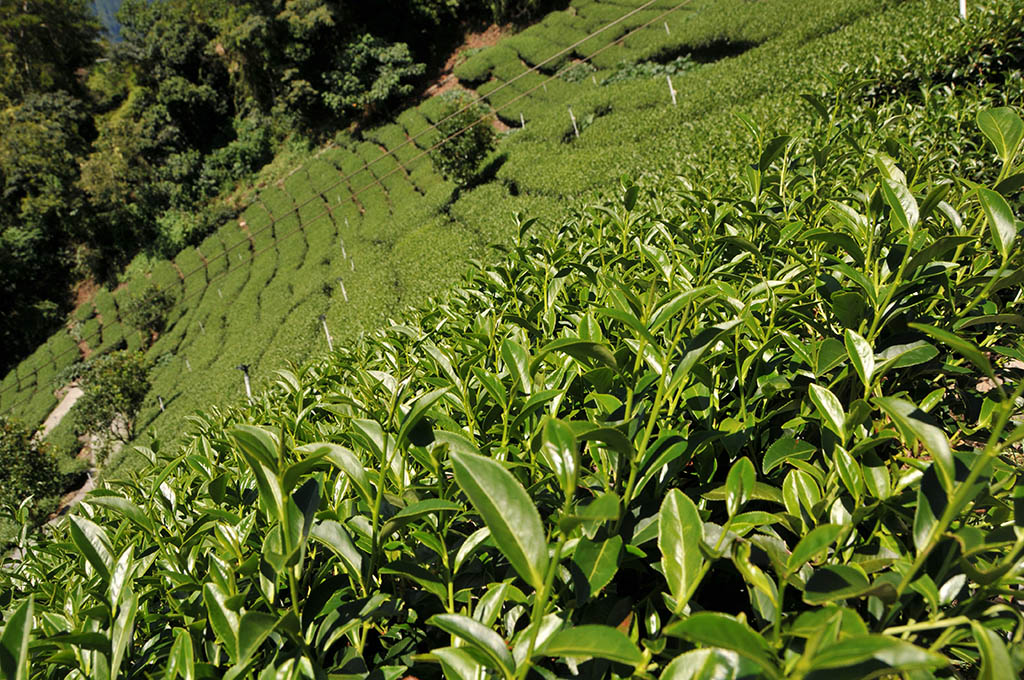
112, 148
114, 387
459, 158
27, 467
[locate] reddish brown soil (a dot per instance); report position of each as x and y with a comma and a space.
487, 38
85, 292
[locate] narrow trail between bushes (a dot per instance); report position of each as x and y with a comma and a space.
73, 394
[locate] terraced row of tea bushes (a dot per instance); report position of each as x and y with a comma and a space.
389, 218
758, 428
400, 250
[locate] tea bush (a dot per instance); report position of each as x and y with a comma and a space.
896, 45
114, 386
767, 427
27, 469
460, 157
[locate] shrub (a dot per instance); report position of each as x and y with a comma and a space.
27, 467
114, 387
147, 309
376, 73
459, 158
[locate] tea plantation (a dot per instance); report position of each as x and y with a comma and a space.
737, 392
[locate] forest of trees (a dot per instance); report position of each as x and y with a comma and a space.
109, 149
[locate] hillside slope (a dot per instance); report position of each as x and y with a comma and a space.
255, 289
756, 417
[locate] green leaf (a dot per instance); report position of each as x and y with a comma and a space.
1004, 129
772, 151
877, 653
559, 450
995, 659
782, 449
738, 485
301, 508
932, 501
334, 536
589, 641
965, 347
940, 247
629, 200
861, 355
579, 350
840, 581
181, 660
680, 532
829, 408
459, 664
121, 634
597, 562
517, 359
696, 347
418, 410
703, 664
507, 510
94, 545
902, 203
849, 307
259, 450
14, 641
257, 442
1001, 222
480, 637
811, 545
721, 630
346, 461
253, 629
428, 580
125, 508
223, 619
910, 421
849, 472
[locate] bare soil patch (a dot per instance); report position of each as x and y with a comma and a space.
486, 38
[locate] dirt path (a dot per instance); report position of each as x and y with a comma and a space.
73, 394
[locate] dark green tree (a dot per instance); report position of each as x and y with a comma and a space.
375, 74
40, 215
43, 43
27, 468
470, 126
147, 309
114, 387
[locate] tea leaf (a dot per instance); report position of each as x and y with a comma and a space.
721, 630
829, 408
94, 545
680, 532
14, 641
1004, 129
995, 659
861, 355
702, 664
479, 637
784, 448
598, 561
507, 510
811, 545
902, 203
739, 484
589, 641
876, 653
1001, 222
911, 422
